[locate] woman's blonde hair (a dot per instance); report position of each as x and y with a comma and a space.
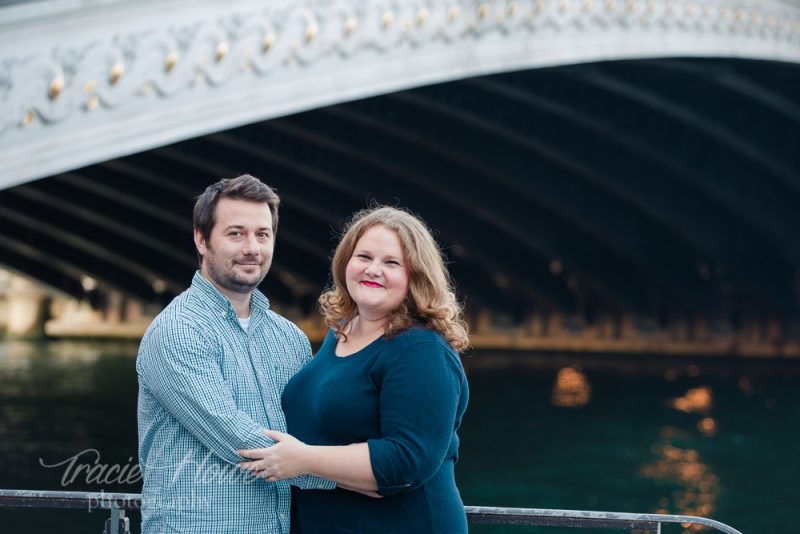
431, 301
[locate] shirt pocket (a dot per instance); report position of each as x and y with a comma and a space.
239, 378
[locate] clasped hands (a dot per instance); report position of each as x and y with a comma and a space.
286, 459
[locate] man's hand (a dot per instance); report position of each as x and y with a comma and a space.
288, 458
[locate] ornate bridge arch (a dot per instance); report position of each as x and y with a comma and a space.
593, 157
83, 82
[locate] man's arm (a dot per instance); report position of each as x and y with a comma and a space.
179, 369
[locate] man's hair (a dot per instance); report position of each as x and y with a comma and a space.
244, 187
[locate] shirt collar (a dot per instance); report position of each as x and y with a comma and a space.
259, 303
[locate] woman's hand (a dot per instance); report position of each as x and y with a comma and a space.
288, 458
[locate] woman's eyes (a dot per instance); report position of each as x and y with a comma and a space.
367, 257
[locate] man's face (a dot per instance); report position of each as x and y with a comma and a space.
238, 253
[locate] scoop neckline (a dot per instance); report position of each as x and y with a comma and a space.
367, 348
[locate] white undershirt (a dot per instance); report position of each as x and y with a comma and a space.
245, 322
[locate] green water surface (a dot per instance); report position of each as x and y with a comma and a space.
702, 436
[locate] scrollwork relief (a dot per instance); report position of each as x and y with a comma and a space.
169, 59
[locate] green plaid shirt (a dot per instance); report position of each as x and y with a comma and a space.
206, 389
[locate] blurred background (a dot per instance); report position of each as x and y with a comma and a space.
615, 185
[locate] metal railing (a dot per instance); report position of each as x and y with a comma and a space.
118, 503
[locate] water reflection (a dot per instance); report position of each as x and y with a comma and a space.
698, 486
630, 449
707, 426
16, 355
55, 368
697, 400
58, 398
571, 389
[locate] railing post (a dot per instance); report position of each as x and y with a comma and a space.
117, 523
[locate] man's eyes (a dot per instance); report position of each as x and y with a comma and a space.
264, 236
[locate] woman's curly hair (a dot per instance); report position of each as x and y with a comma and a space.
431, 301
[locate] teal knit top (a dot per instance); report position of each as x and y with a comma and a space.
405, 397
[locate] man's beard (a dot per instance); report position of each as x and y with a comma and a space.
233, 281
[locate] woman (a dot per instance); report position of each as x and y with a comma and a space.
378, 408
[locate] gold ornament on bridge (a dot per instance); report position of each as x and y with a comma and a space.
483, 11
116, 73
512, 9
422, 16
27, 120
171, 61
388, 19
311, 32
453, 13
56, 86
267, 42
221, 51
92, 102
350, 26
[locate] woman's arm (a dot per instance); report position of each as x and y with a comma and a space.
347, 465
421, 400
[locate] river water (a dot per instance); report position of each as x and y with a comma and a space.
701, 436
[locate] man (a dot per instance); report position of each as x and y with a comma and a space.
212, 367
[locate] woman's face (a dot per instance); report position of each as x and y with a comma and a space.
377, 275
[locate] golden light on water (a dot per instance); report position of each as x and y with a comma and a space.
571, 389
698, 400
699, 487
708, 426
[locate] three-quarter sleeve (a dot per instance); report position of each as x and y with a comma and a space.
419, 398
180, 371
